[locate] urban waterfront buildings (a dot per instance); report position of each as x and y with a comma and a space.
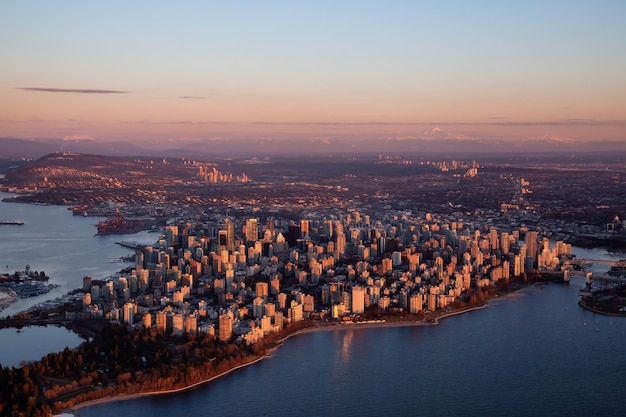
246, 280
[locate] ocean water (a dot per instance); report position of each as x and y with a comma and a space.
65, 246
532, 353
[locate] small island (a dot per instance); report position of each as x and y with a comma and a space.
607, 295
609, 301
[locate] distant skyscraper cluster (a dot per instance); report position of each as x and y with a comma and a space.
212, 175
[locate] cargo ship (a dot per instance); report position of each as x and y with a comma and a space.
120, 225
12, 222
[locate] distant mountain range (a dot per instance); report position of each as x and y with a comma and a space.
16, 148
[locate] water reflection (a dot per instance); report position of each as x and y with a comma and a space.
345, 346
344, 339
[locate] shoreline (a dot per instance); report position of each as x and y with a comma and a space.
313, 329
604, 313
124, 397
435, 321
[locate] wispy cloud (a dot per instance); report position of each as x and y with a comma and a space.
193, 97
73, 90
78, 137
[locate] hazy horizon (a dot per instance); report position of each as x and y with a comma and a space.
357, 72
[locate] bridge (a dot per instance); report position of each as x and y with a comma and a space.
604, 278
601, 279
583, 262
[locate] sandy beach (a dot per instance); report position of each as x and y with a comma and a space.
125, 397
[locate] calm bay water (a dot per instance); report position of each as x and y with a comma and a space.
66, 248
33, 342
534, 352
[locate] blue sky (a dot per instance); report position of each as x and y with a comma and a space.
203, 68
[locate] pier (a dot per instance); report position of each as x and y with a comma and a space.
586, 262
131, 245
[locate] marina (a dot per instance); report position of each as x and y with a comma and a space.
121, 259
23, 284
63, 245
131, 245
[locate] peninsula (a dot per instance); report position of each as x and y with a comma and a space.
241, 265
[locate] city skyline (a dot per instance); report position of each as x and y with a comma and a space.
240, 254
321, 72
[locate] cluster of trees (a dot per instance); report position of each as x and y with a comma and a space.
116, 361
16, 276
20, 394
610, 300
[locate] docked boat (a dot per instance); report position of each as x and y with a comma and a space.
119, 225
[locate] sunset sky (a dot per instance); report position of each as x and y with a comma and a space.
200, 70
